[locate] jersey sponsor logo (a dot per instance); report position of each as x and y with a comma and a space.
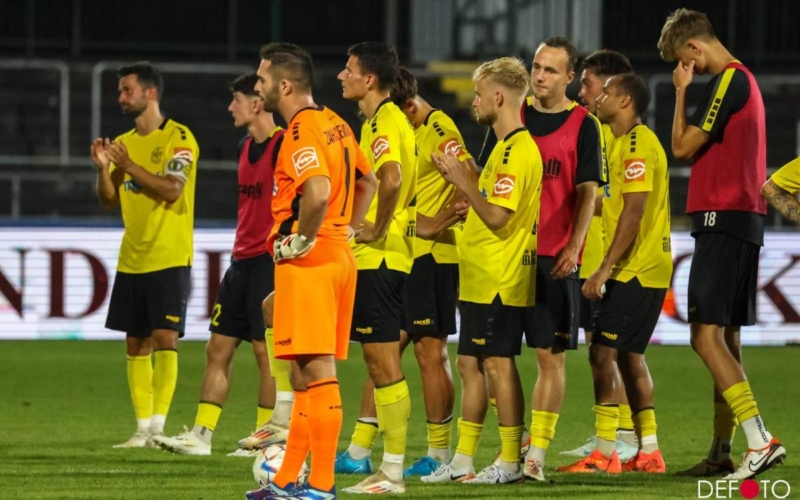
174, 319
552, 170
183, 154
380, 146
253, 191
451, 147
635, 170
305, 159
504, 185
157, 155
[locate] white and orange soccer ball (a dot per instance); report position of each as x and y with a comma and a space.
267, 463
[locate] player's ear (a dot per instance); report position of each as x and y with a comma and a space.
692, 45
570, 76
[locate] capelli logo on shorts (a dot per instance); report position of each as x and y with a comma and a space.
609, 336
479, 341
364, 331
423, 322
174, 319
284, 343
749, 489
569, 335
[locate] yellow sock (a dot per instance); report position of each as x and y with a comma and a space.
364, 434
140, 382
393, 404
263, 416
741, 401
645, 422
606, 422
543, 428
207, 415
469, 433
279, 368
510, 438
625, 418
439, 435
493, 402
165, 377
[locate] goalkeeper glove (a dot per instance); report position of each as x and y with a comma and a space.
293, 246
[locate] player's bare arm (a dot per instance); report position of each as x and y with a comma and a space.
108, 183
429, 228
364, 191
598, 205
391, 178
686, 139
168, 188
461, 176
629, 222
782, 201
567, 257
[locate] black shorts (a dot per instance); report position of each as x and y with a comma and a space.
554, 320
627, 315
490, 329
723, 280
429, 298
141, 303
586, 310
237, 311
379, 300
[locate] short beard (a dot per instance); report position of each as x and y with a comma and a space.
133, 111
486, 120
271, 100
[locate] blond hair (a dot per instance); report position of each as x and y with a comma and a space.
680, 26
508, 72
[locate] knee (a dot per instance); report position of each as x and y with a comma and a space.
267, 306
217, 355
138, 346
431, 357
468, 367
550, 361
600, 356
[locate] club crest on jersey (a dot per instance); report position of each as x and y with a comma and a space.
380, 146
157, 155
452, 147
305, 159
504, 185
635, 170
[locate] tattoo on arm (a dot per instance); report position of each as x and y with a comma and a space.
785, 203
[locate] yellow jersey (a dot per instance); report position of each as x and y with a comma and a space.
504, 261
389, 137
594, 248
788, 177
158, 235
437, 134
639, 165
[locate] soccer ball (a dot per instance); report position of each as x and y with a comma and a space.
267, 463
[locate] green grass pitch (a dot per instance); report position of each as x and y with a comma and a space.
64, 403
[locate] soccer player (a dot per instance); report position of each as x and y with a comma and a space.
632, 280
498, 250
597, 68
431, 290
150, 172
726, 141
237, 314
781, 191
324, 184
384, 250
571, 145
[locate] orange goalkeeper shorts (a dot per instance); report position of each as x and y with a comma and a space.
314, 298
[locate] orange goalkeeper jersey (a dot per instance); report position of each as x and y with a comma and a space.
317, 142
